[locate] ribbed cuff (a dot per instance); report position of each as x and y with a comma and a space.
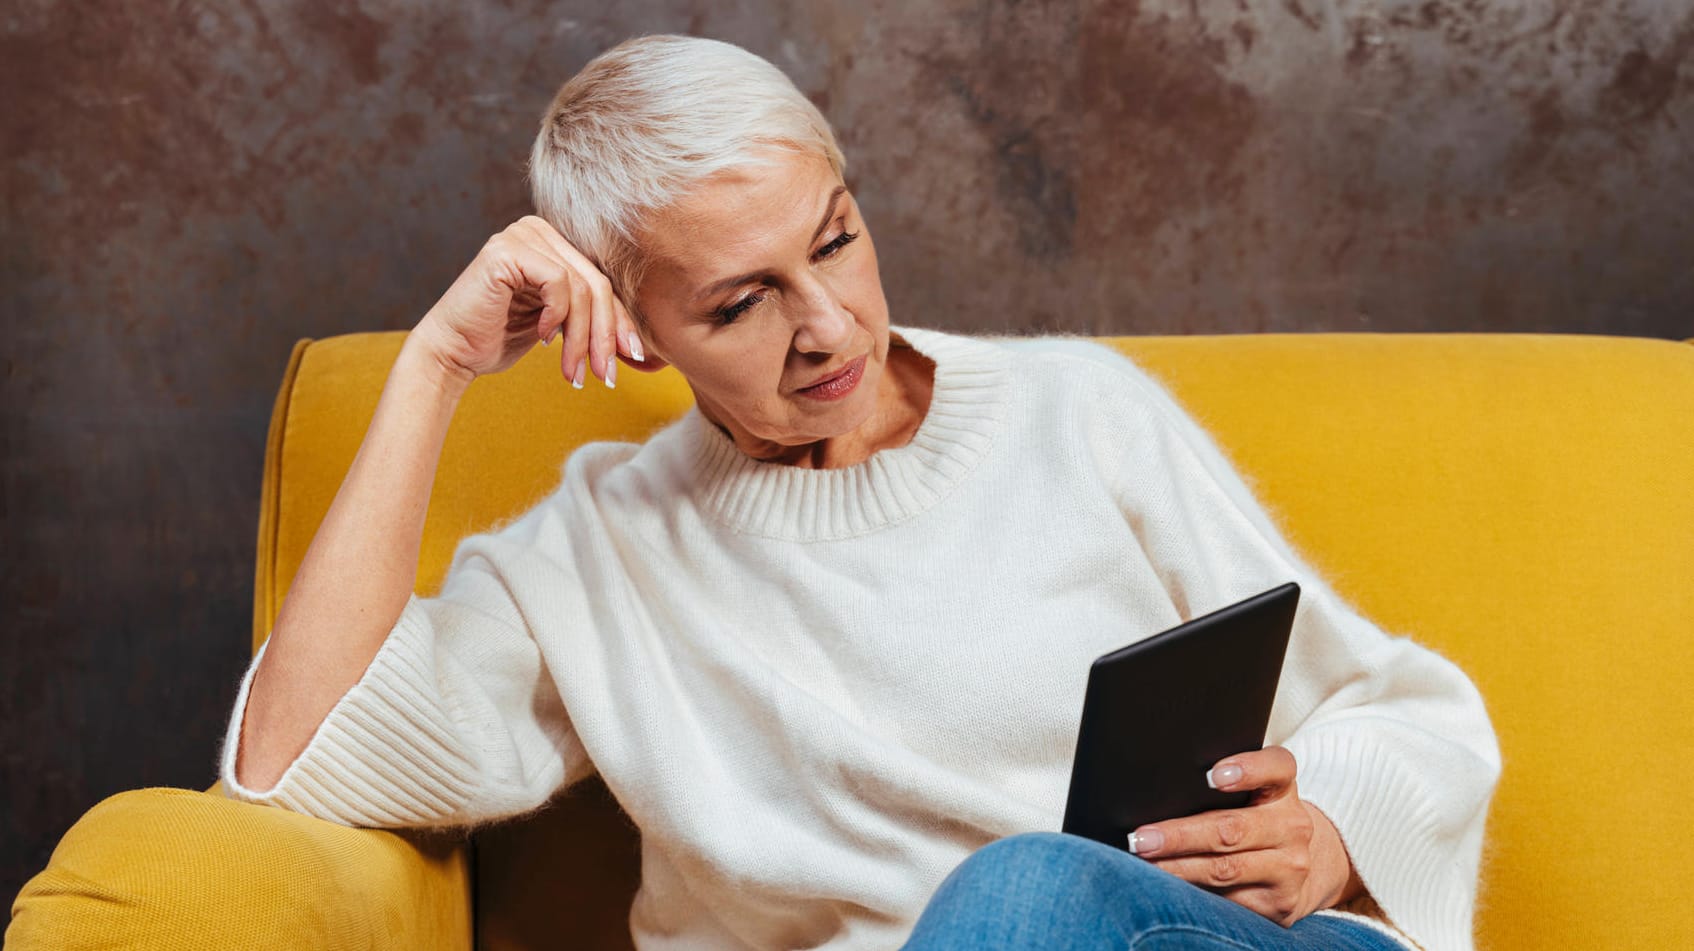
387, 755
1382, 809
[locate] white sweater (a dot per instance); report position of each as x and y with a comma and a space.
816, 692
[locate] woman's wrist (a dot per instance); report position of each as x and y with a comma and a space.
424, 354
1331, 854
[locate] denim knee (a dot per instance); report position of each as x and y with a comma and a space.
1042, 848
1030, 891
1027, 849
1034, 865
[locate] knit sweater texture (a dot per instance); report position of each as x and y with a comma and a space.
816, 692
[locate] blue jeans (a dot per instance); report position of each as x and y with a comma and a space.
1065, 893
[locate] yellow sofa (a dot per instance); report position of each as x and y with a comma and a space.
1523, 504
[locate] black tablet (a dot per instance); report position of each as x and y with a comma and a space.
1159, 713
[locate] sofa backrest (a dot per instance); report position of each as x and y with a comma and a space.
1523, 504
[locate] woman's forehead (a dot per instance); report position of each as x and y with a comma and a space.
742, 219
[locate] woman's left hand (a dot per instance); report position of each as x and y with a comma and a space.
1278, 856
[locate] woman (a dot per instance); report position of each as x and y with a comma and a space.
739, 623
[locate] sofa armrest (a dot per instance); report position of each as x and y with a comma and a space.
175, 868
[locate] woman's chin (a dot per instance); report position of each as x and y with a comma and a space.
812, 420
832, 421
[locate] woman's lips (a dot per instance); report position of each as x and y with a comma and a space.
839, 385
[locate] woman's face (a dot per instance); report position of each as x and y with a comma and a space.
761, 283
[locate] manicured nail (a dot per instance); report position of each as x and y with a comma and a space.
1223, 776
581, 369
612, 372
1145, 840
548, 340
635, 347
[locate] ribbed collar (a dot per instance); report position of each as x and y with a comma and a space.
776, 500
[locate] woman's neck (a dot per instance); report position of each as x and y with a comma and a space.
908, 382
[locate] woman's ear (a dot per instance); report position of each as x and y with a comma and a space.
653, 364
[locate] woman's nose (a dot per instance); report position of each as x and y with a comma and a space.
825, 326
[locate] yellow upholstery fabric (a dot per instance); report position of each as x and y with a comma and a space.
174, 869
1523, 504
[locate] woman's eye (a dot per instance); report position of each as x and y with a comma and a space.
841, 241
728, 314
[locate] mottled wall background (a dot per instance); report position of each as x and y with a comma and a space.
189, 187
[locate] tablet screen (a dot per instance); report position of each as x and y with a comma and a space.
1162, 711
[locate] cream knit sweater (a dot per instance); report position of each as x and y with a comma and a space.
817, 691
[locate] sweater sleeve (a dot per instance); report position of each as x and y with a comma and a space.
1392, 740
455, 721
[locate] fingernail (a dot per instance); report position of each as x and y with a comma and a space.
581, 369
635, 347
1223, 776
1145, 840
612, 372
548, 340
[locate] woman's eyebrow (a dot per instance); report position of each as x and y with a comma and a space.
717, 287
829, 212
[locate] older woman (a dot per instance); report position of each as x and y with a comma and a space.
825, 637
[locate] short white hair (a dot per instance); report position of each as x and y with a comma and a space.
647, 120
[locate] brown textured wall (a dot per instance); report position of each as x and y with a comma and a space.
190, 187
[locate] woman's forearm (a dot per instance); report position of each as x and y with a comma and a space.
358, 572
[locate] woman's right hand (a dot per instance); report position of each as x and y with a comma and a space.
525, 284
